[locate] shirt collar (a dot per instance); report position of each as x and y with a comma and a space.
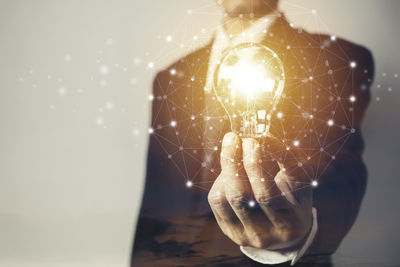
254, 33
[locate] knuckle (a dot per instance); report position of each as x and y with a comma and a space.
286, 233
223, 227
216, 199
237, 237
226, 160
250, 164
237, 200
240, 238
258, 241
263, 199
224, 176
280, 177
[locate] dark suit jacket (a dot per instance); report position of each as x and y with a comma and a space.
176, 226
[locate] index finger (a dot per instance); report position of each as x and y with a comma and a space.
230, 153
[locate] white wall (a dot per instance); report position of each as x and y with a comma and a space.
70, 188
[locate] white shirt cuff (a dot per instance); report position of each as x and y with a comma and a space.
265, 256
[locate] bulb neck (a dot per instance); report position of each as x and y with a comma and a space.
251, 124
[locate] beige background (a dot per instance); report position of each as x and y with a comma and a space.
74, 115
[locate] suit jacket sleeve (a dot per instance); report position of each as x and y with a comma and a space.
150, 222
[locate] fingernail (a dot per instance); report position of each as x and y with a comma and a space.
230, 139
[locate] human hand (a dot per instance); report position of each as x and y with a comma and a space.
257, 202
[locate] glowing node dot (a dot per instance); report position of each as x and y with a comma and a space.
279, 115
172, 71
352, 98
173, 123
67, 58
314, 183
252, 203
62, 91
150, 65
151, 130
353, 64
189, 183
296, 143
99, 121
104, 70
137, 61
313, 11
333, 38
330, 122
151, 97
168, 38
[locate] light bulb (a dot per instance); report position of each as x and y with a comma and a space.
249, 82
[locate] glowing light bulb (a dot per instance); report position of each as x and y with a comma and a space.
249, 82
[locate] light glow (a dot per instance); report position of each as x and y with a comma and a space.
248, 79
249, 82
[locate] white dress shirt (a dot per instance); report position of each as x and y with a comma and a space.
255, 33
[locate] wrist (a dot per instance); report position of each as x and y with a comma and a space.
292, 254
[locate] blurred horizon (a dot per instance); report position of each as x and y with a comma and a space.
74, 115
